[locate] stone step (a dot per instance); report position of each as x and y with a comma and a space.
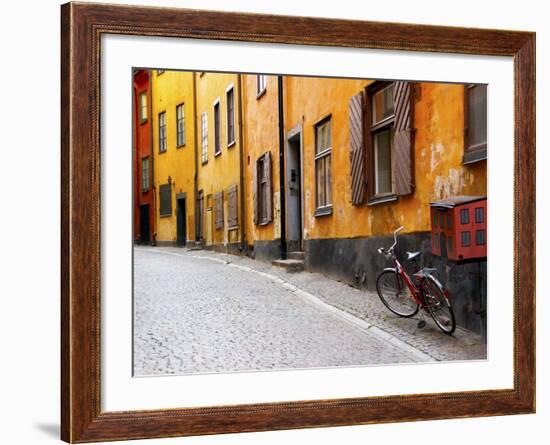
289, 265
297, 255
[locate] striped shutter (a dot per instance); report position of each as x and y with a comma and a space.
255, 183
232, 220
357, 149
403, 139
219, 210
269, 191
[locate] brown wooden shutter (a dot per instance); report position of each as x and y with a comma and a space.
268, 189
232, 220
255, 182
219, 210
357, 149
402, 166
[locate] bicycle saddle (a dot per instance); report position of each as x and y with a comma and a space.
412, 255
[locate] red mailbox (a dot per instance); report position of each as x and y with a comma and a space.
459, 228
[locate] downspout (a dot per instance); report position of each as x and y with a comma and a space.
153, 188
282, 168
195, 176
241, 176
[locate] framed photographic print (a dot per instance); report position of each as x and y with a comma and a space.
277, 222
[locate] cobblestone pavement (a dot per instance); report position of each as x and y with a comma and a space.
201, 311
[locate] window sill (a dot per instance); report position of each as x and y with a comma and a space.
162, 152
323, 211
381, 199
145, 191
167, 215
216, 154
204, 162
264, 223
181, 145
474, 156
230, 144
144, 121
233, 228
261, 93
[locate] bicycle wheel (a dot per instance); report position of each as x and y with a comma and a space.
438, 306
395, 295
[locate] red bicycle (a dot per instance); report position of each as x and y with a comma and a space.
404, 296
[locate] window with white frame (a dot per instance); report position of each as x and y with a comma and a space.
323, 166
217, 129
204, 137
162, 132
230, 100
145, 174
180, 125
143, 107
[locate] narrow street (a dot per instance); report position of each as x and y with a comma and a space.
203, 312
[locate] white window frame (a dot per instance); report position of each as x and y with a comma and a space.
182, 107
326, 207
216, 135
204, 137
227, 90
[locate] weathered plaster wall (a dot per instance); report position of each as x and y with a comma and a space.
261, 134
171, 89
221, 171
438, 157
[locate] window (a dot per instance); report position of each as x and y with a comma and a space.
262, 198
464, 216
475, 123
449, 221
165, 199
162, 132
382, 137
204, 137
480, 237
230, 97
323, 167
261, 83
480, 215
465, 237
217, 129
143, 107
387, 170
180, 125
145, 174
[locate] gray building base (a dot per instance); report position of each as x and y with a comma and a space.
357, 262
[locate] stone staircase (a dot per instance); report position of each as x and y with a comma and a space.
294, 262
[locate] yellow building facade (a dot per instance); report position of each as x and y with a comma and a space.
174, 149
219, 154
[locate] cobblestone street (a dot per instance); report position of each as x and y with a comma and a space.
201, 312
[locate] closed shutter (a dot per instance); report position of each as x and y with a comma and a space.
255, 207
268, 189
219, 210
232, 220
357, 149
402, 168
165, 200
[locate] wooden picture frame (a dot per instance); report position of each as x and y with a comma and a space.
82, 26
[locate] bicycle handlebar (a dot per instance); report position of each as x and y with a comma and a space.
390, 250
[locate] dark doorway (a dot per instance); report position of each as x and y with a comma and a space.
144, 224
181, 222
294, 192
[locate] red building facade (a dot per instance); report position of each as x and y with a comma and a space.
144, 208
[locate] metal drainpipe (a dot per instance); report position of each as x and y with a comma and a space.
282, 168
241, 153
153, 188
195, 177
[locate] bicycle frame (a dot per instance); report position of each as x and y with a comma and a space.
413, 288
